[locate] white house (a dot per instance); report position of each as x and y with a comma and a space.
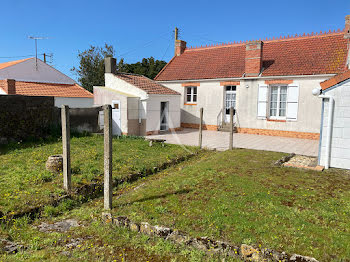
140, 106
33, 77
334, 149
269, 82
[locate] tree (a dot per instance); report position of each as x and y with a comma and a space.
91, 66
147, 67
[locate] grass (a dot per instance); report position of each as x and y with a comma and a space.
240, 197
99, 242
237, 196
25, 184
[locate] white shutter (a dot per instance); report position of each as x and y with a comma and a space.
262, 101
292, 102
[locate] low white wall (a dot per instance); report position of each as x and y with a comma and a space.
74, 102
340, 143
211, 98
153, 111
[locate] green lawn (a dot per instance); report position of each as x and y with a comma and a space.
24, 182
239, 196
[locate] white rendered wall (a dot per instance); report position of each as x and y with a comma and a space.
74, 102
104, 96
153, 111
340, 143
211, 98
2, 92
111, 81
26, 71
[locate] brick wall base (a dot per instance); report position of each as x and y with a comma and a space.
269, 132
205, 127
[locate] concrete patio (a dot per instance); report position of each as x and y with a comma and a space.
220, 140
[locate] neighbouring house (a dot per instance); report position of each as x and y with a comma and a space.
269, 82
33, 77
334, 149
140, 106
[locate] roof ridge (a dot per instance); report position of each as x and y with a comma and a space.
269, 39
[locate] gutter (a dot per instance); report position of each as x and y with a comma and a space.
244, 78
329, 128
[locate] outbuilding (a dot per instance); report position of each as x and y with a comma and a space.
140, 106
334, 147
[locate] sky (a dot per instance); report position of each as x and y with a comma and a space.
139, 29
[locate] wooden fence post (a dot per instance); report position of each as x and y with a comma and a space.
67, 178
200, 127
108, 188
231, 129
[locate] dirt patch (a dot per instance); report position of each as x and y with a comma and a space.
306, 162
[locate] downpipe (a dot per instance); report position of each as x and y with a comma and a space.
329, 128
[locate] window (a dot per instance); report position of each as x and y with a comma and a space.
191, 94
278, 102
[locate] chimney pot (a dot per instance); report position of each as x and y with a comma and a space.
110, 65
253, 58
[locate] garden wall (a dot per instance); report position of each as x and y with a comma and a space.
22, 117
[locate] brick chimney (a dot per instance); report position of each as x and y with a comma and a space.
180, 47
253, 58
10, 86
110, 65
347, 27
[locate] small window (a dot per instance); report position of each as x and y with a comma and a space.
191, 94
230, 88
278, 102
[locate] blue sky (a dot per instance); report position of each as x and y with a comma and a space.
140, 29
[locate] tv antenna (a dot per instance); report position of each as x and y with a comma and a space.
36, 38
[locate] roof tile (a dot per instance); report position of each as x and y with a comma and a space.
307, 55
148, 85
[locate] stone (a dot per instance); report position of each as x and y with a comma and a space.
146, 228
250, 253
178, 237
74, 242
62, 226
54, 164
122, 221
274, 255
134, 226
9, 247
162, 231
233, 251
300, 258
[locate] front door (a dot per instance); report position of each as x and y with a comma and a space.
116, 128
230, 101
164, 114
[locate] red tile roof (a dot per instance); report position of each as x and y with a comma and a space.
148, 85
335, 80
50, 89
7, 64
304, 55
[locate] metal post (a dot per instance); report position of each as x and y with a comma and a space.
108, 189
200, 127
231, 129
67, 178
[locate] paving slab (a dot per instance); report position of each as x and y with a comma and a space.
220, 141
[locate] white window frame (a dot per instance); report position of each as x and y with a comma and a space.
277, 117
191, 94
